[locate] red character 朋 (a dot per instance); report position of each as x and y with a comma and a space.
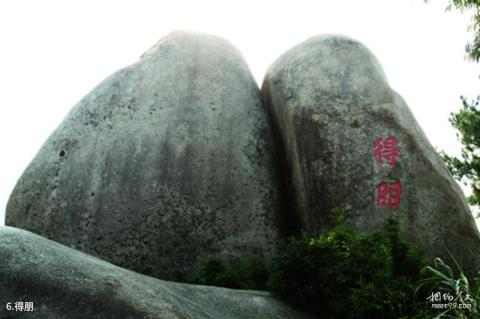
388, 194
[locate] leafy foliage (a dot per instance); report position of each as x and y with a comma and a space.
467, 122
214, 272
342, 274
348, 274
251, 273
472, 48
440, 279
345, 274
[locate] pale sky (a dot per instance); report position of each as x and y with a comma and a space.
54, 52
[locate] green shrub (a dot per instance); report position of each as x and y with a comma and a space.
346, 274
213, 272
441, 280
250, 273
253, 273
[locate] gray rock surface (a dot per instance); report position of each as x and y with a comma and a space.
330, 102
163, 163
63, 283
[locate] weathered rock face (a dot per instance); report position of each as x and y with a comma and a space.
63, 283
165, 162
351, 141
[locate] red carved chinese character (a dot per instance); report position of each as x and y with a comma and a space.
388, 194
386, 150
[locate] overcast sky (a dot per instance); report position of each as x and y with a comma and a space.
54, 52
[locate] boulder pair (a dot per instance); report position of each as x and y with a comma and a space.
180, 156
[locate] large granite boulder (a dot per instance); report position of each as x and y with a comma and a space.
350, 141
62, 283
165, 162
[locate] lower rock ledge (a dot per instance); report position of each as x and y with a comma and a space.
40, 278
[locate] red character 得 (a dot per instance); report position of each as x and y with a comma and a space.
386, 150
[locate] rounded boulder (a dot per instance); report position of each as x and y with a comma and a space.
164, 163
